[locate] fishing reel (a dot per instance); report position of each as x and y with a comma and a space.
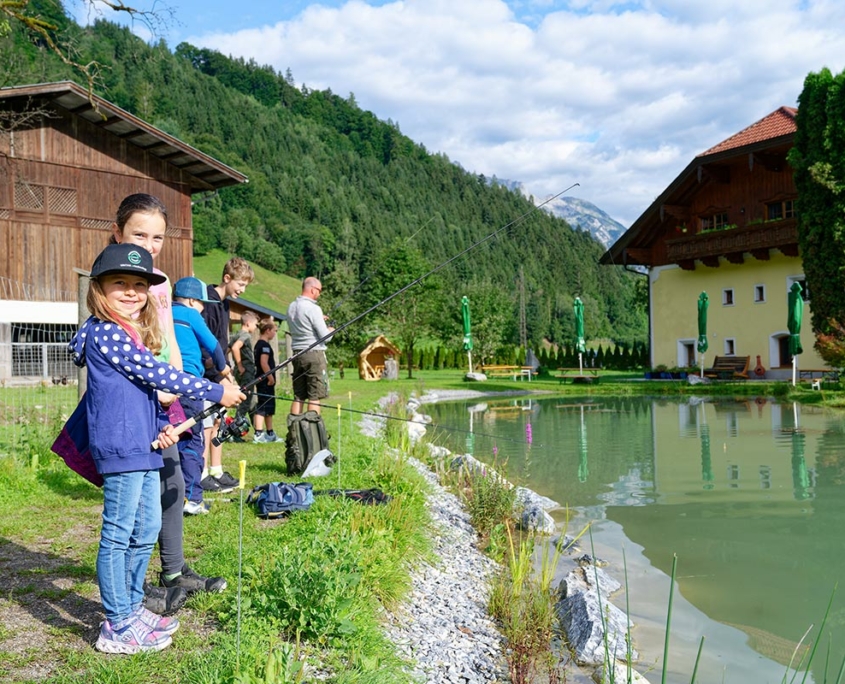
230, 428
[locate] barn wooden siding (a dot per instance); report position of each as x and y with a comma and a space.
61, 181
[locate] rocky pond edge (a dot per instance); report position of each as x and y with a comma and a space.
445, 628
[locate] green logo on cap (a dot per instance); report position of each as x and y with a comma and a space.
134, 258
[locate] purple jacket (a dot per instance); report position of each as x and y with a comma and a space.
124, 415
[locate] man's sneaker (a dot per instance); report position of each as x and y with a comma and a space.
157, 623
196, 508
164, 601
132, 638
192, 582
227, 480
212, 486
259, 438
272, 437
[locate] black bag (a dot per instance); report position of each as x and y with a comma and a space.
306, 436
278, 499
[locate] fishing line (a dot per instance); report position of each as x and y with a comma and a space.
436, 426
215, 408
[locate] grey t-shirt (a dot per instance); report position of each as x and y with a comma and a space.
306, 324
247, 358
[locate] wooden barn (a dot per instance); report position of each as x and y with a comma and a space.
63, 172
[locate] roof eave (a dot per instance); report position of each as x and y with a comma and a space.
206, 172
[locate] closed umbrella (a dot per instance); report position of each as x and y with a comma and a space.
580, 342
703, 303
794, 315
467, 329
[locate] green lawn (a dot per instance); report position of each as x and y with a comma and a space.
326, 574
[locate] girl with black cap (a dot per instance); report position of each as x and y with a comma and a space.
117, 344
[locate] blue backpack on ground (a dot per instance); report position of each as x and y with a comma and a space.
278, 499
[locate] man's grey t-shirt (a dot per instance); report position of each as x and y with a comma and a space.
306, 324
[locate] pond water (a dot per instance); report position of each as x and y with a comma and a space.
749, 493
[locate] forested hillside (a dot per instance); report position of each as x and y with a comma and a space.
337, 193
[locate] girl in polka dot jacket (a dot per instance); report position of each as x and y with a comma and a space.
117, 344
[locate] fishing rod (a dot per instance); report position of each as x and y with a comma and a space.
217, 408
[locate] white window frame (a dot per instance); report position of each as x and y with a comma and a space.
760, 287
681, 355
725, 296
796, 279
730, 346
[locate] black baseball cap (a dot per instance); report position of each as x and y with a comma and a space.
126, 258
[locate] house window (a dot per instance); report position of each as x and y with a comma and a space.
728, 297
780, 210
759, 294
730, 347
713, 221
805, 291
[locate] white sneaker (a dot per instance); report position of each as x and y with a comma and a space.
260, 439
194, 508
271, 437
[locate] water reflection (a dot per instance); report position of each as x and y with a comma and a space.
748, 493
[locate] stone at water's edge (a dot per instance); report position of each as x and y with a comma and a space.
475, 377
583, 615
535, 519
619, 674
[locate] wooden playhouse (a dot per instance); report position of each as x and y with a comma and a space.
372, 357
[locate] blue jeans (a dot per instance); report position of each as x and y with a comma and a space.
131, 523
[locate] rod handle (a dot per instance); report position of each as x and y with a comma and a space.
179, 429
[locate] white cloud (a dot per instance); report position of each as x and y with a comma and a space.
618, 96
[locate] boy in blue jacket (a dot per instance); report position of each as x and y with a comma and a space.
193, 336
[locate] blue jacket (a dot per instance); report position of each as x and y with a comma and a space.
192, 336
124, 415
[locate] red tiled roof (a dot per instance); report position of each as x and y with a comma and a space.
779, 122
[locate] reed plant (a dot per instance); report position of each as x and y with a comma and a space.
524, 606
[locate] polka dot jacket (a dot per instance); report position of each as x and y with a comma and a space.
124, 415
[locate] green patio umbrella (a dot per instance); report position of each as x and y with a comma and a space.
467, 329
703, 303
580, 342
794, 315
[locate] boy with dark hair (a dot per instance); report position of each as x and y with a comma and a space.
194, 337
237, 274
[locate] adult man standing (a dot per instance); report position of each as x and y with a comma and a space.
307, 325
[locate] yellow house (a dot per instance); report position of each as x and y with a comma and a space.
725, 226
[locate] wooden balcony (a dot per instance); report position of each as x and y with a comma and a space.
734, 244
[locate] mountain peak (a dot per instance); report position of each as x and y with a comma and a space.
578, 213
586, 215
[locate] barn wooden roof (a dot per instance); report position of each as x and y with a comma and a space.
204, 172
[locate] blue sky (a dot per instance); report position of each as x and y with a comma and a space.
618, 96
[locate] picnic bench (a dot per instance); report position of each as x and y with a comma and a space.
514, 372
729, 368
578, 375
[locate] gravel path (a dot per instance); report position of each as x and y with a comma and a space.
444, 627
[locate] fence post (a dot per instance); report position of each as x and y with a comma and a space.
82, 280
